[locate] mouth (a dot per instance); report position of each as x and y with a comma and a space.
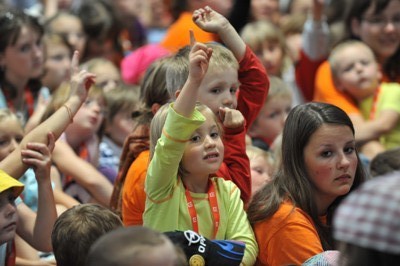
344, 177
10, 226
210, 156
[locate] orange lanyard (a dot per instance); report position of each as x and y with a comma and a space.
212, 199
374, 103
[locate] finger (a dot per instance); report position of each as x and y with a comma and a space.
221, 113
75, 62
192, 38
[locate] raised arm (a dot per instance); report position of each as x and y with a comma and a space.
211, 21
198, 64
80, 83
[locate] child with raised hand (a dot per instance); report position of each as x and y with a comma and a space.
236, 80
186, 149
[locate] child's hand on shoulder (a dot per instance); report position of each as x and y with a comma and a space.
38, 156
199, 59
210, 20
81, 80
231, 118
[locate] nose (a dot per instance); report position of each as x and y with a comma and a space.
10, 209
228, 100
344, 162
390, 26
209, 142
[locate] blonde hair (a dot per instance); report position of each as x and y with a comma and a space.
333, 57
254, 152
157, 125
254, 34
178, 67
278, 88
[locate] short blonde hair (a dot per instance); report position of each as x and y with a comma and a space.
277, 87
254, 152
333, 57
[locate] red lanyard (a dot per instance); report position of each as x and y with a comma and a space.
29, 101
212, 199
374, 103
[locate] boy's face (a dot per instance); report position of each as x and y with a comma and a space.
272, 117
357, 71
260, 173
218, 89
272, 57
11, 134
8, 216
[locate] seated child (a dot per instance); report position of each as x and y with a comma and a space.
118, 124
186, 150
262, 167
137, 245
356, 71
77, 229
271, 119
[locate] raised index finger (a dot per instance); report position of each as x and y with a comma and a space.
192, 38
75, 63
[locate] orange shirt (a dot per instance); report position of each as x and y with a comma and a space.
177, 35
287, 238
133, 195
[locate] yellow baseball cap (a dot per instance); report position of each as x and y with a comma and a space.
7, 182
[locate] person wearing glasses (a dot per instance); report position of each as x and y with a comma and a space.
377, 24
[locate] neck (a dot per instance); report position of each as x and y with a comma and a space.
196, 185
16, 83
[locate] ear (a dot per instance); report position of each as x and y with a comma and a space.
355, 27
177, 93
155, 107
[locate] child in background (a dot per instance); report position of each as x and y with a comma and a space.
271, 119
185, 150
57, 66
356, 72
70, 27
77, 229
107, 74
385, 162
262, 167
268, 42
118, 124
137, 245
128, 196
76, 153
236, 80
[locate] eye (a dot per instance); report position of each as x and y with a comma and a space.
4, 142
349, 150
273, 115
216, 90
258, 170
195, 138
25, 48
214, 135
326, 154
233, 90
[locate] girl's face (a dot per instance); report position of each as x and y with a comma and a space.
380, 31
11, 134
271, 118
260, 173
88, 119
8, 216
70, 27
265, 10
24, 59
272, 58
107, 76
57, 66
331, 162
204, 151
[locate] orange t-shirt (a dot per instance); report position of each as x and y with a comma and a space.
288, 237
177, 35
133, 195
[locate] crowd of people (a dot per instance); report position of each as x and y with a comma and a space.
184, 132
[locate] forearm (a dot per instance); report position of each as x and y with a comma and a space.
45, 217
56, 123
233, 41
64, 199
